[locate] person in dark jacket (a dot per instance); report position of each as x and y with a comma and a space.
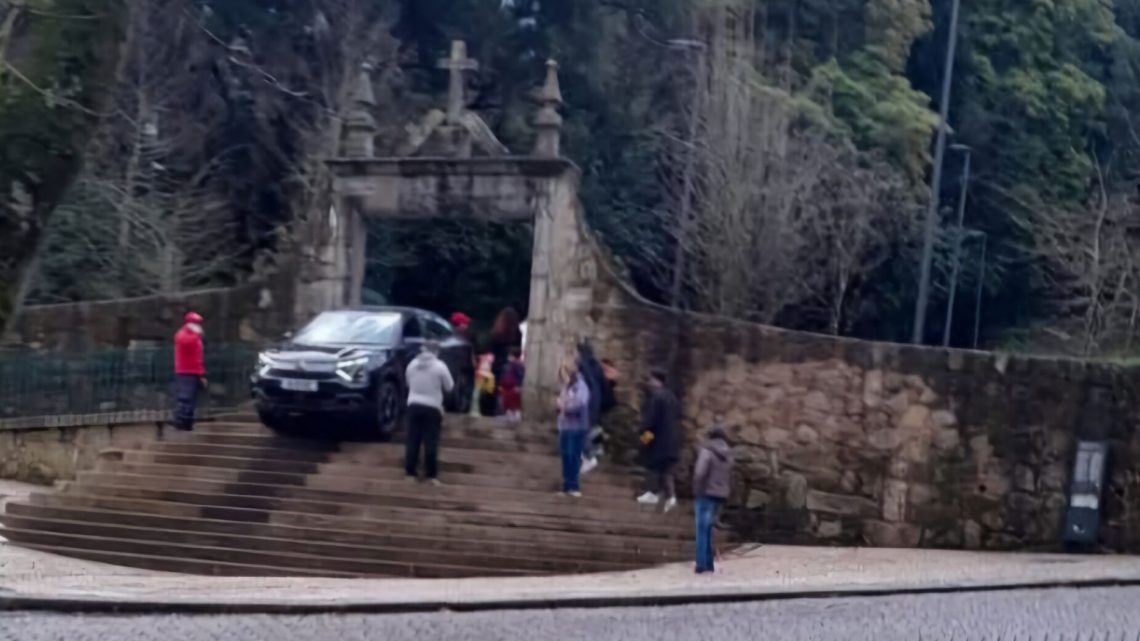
189, 370
711, 484
660, 439
595, 378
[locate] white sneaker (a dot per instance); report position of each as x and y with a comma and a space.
649, 498
671, 503
576, 495
588, 464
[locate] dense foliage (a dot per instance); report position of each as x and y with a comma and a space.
796, 135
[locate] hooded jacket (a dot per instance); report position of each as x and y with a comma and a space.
712, 473
188, 356
428, 380
661, 418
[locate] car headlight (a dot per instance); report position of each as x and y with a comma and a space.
352, 368
264, 361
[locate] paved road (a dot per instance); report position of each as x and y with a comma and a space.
1102, 614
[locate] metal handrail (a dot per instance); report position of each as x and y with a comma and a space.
45, 389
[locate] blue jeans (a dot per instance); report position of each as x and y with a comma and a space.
186, 388
706, 509
571, 444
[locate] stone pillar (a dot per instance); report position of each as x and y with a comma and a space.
357, 252
548, 123
360, 127
540, 359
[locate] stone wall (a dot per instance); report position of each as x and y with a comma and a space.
845, 441
255, 313
46, 456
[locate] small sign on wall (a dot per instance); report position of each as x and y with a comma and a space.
1082, 517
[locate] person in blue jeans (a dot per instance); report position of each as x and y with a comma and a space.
711, 483
573, 425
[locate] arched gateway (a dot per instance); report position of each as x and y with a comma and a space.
453, 167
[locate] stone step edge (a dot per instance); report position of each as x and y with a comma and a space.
256, 541
103, 556
313, 534
606, 538
285, 556
455, 478
671, 533
465, 432
493, 510
447, 492
383, 450
613, 476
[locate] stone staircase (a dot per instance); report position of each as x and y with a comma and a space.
233, 498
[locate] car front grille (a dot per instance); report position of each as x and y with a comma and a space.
292, 373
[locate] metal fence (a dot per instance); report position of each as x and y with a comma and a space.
43, 389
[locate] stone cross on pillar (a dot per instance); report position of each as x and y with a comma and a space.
360, 127
457, 64
548, 123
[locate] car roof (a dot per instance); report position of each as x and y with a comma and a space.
382, 309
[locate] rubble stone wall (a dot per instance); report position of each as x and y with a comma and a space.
847, 441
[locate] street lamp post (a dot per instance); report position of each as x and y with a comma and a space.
935, 183
957, 243
981, 285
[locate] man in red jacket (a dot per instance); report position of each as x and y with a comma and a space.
189, 370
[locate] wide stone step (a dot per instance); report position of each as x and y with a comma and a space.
379, 479
453, 424
386, 525
414, 496
487, 542
396, 493
492, 443
604, 475
182, 565
272, 453
247, 508
474, 556
269, 557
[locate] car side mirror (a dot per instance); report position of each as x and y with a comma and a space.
287, 336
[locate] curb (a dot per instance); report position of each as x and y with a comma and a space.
10, 602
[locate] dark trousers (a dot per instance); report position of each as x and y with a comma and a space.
706, 509
570, 443
186, 388
423, 426
659, 481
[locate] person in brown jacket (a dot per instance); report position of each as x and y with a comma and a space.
711, 483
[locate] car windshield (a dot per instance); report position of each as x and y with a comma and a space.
369, 328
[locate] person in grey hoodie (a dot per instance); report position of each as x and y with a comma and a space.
711, 482
428, 381
573, 425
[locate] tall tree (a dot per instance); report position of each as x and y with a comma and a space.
58, 61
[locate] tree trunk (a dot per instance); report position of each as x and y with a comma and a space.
42, 133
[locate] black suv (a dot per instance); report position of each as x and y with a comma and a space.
349, 364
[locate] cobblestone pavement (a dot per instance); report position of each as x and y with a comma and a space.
1095, 614
767, 569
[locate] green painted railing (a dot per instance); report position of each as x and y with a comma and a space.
39, 389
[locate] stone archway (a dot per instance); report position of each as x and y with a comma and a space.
453, 166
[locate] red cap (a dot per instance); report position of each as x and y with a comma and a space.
193, 317
459, 319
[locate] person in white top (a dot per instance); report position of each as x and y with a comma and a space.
428, 381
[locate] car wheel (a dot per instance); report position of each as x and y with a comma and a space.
387, 408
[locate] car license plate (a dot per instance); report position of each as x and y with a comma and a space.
298, 385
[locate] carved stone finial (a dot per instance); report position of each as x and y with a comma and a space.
457, 64
548, 123
360, 127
